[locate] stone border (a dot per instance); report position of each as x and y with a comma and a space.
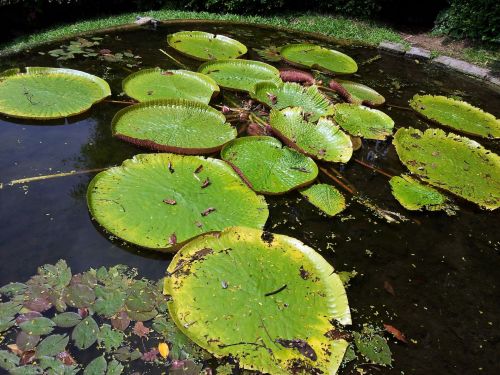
443, 61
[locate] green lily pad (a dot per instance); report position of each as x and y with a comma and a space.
290, 94
240, 75
85, 333
325, 197
139, 200
67, 319
174, 125
357, 93
98, 366
415, 196
38, 326
322, 140
457, 115
52, 345
49, 93
268, 167
363, 122
317, 57
206, 46
152, 84
451, 162
276, 301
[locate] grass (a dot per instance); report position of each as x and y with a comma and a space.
338, 27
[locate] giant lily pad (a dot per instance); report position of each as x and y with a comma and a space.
49, 93
267, 300
363, 122
180, 126
206, 46
415, 196
158, 200
357, 93
317, 57
322, 140
268, 167
457, 115
241, 75
289, 94
325, 197
451, 162
150, 84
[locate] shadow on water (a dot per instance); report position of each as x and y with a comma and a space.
444, 270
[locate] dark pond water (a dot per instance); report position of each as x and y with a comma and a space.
445, 271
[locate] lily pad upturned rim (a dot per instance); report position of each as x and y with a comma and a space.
345, 121
207, 35
151, 144
194, 75
199, 251
348, 58
100, 83
417, 99
339, 85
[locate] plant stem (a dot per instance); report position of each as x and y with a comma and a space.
338, 181
50, 176
177, 62
373, 168
398, 107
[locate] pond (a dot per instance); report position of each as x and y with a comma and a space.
435, 277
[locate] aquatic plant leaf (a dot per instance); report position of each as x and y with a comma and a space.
206, 46
373, 346
98, 366
154, 84
79, 295
415, 196
260, 281
173, 125
457, 115
26, 342
357, 93
26, 370
109, 338
362, 121
451, 162
38, 326
49, 93
12, 289
270, 53
325, 197
51, 346
240, 75
317, 57
85, 333
290, 94
8, 360
322, 140
109, 301
129, 201
114, 368
268, 167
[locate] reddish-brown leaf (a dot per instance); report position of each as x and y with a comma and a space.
396, 333
388, 288
66, 358
150, 356
121, 321
141, 330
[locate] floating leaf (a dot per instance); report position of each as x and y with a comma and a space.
121, 321
109, 338
456, 114
26, 342
128, 200
317, 57
8, 361
52, 345
373, 347
109, 301
322, 140
264, 299
395, 332
415, 196
325, 197
85, 333
79, 295
271, 53
154, 84
151, 355
287, 94
240, 75
163, 349
38, 326
357, 93
206, 46
12, 289
363, 121
49, 93
175, 125
114, 368
140, 329
97, 367
451, 162
267, 166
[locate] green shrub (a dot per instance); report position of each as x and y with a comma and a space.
475, 19
236, 6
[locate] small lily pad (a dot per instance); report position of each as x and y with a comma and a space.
260, 281
317, 57
154, 84
52, 345
85, 333
240, 75
49, 93
415, 196
268, 167
139, 200
357, 93
289, 94
325, 197
174, 125
451, 162
322, 140
363, 122
38, 326
456, 114
206, 46
373, 346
